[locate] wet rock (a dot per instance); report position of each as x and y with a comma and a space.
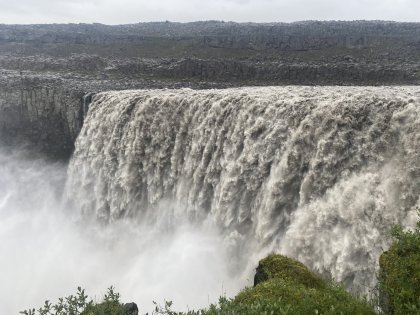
131, 308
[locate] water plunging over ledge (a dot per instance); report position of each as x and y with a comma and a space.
175, 194
317, 173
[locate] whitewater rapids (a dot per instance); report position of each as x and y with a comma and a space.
316, 173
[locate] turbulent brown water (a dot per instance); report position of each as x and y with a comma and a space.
316, 173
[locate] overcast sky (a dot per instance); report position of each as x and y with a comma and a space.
133, 11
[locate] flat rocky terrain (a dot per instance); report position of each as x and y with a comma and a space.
46, 70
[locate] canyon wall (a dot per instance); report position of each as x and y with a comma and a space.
47, 69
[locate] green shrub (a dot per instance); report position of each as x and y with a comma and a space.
285, 286
291, 288
79, 304
110, 306
399, 275
278, 266
296, 298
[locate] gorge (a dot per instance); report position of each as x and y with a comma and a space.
170, 176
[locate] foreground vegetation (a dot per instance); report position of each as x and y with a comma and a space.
399, 276
285, 286
80, 304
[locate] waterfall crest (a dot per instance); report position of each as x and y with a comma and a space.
318, 173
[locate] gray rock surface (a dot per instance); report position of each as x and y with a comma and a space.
131, 308
45, 70
45, 112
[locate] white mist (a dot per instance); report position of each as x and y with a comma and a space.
47, 250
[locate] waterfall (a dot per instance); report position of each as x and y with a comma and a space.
317, 173
86, 100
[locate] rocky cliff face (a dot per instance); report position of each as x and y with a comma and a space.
46, 69
284, 36
39, 111
45, 112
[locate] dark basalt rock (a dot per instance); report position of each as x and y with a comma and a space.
47, 70
131, 308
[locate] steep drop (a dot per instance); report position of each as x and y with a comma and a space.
317, 173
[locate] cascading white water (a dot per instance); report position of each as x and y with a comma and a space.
317, 173
48, 250
199, 185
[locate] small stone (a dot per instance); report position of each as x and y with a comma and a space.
131, 308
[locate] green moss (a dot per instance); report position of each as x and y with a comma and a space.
299, 299
285, 287
290, 284
277, 266
399, 276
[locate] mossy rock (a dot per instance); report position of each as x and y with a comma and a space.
278, 266
399, 275
288, 284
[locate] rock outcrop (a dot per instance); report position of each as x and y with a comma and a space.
131, 308
40, 111
45, 70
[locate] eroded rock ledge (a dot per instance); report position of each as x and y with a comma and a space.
45, 70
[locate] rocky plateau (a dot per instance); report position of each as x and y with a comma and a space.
48, 71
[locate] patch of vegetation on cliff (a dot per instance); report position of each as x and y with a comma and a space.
278, 266
282, 286
399, 276
285, 286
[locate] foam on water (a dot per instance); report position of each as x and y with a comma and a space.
317, 173
176, 194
